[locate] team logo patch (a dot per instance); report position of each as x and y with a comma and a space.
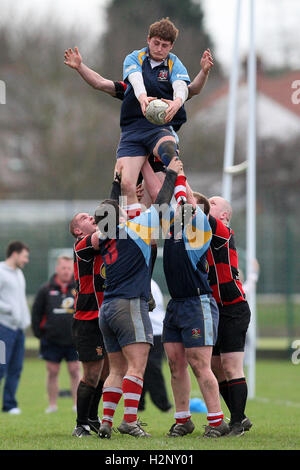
99, 350
102, 271
162, 75
206, 266
196, 333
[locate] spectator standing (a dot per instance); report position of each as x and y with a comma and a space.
52, 316
14, 319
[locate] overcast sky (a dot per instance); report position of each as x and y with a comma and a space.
277, 24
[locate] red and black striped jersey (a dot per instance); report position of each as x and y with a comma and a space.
89, 274
223, 265
120, 88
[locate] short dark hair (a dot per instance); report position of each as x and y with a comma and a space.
15, 247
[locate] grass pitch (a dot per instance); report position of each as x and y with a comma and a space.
275, 413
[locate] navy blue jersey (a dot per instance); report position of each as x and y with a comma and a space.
158, 83
127, 257
184, 259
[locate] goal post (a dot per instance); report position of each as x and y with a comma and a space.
248, 166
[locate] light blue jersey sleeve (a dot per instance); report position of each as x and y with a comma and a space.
142, 229
197, 236
177, 69
133, 62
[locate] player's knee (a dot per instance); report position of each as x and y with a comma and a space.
232, 370
128, 186
166, 151
177, 366
53, 370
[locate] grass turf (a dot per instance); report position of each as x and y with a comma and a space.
275, 413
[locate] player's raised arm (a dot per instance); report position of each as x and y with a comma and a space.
74, 60
166, 192
199, 81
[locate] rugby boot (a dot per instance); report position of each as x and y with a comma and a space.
133, 429
105, 430
81, 430
217, 431
181, 429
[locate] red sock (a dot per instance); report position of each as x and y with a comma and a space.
215, 419
133, 210
132, 389
180, 189
182, 416
111, 397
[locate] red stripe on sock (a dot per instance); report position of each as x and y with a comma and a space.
130, 386
183, 420
237, 383
217, 418
109, 397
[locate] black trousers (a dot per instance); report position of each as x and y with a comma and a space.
154, 381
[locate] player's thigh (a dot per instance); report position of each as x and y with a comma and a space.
73, 367
52, 368
199, 357
117, 364
129, 164
175, 353
164, 139
232, 364
136, 355
92, 371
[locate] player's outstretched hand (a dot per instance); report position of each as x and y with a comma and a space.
206, 61
139, 192
175, 165
72, 58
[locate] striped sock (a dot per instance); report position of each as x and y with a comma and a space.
132, 389
215, 419
133, 210
182, 416
111, 397
180, 189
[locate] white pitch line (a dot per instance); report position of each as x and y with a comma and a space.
278, 402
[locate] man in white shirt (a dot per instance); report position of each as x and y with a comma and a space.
14, 319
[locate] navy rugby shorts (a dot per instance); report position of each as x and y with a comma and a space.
54, 352
141, 142
192, 321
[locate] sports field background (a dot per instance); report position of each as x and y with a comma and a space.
275, 413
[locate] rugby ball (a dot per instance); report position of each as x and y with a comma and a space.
156, 111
